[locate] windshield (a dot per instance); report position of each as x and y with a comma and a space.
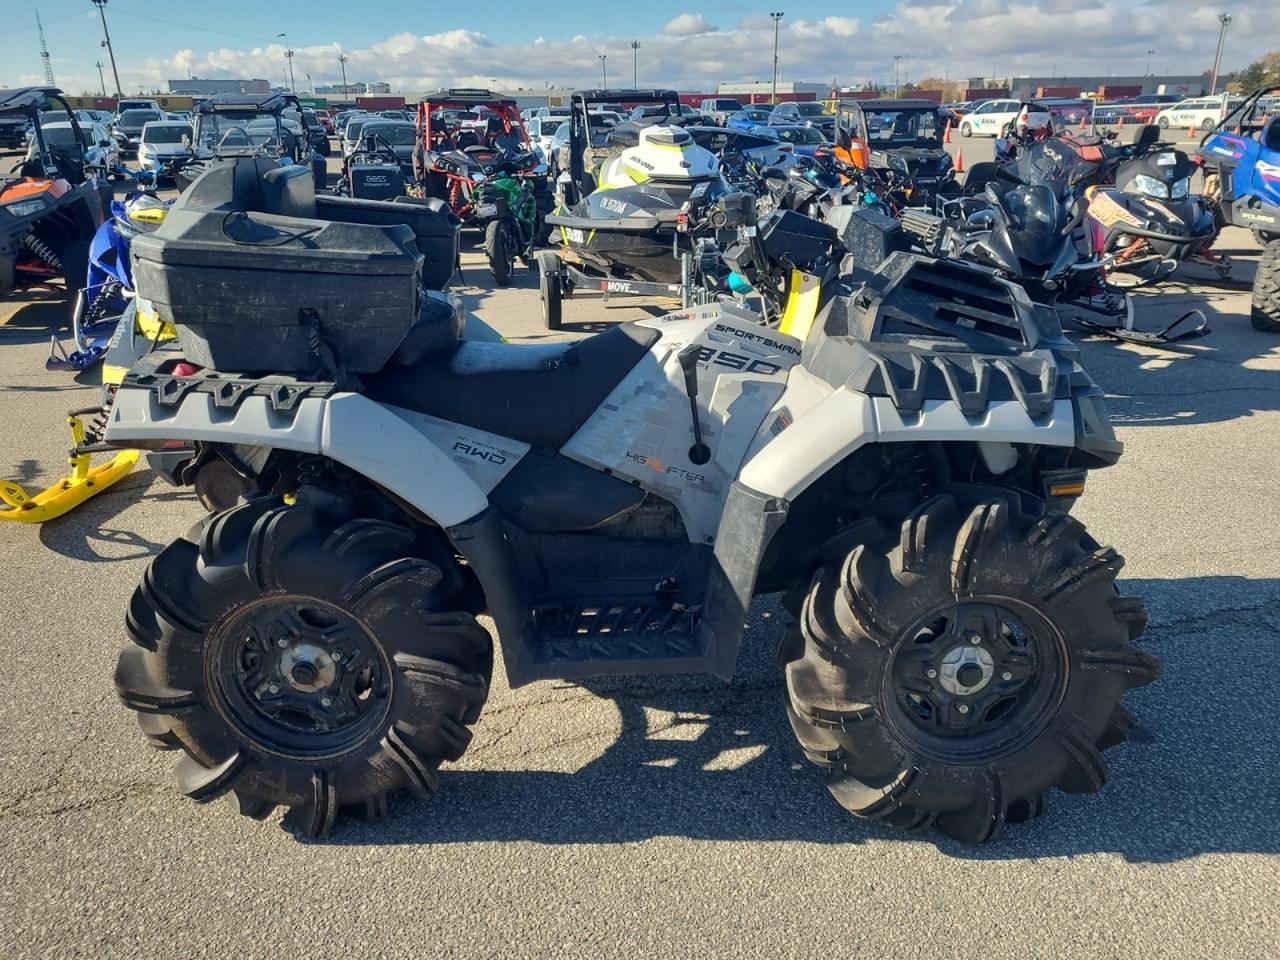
902, 126
60, 136
166, 133
801, 135
1032, 209
397, 135
811, 110
238, 129
136, 118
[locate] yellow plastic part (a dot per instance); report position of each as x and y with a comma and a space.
17, 505
802, 304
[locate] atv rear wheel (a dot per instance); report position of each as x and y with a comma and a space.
1266, 289
549, 290
499, 247
962, 662
302, 662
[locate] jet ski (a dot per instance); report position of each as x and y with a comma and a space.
650, 204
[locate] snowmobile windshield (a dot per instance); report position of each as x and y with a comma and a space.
1032, 211
1052, 165
904, 128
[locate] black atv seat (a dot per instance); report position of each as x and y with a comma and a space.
520, 391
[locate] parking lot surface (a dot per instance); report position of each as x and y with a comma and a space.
672, 817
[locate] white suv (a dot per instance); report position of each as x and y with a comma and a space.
1202, 113
990, 118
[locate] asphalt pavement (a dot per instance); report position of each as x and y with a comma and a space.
672, 817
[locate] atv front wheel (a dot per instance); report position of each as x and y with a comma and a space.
301, 662
1266, 289
962, 662
498, 247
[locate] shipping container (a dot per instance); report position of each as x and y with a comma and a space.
370, 102
1062, 91
1116, 91
986, 93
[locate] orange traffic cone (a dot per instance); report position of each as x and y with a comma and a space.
946, 133
1082, 126
1120, 121
959, 167
1191, 130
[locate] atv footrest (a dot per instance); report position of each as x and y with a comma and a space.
608, 631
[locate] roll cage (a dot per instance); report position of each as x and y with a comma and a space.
30, 102
215, 120
581, 139
437, 135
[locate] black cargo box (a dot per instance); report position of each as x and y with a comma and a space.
253, 292
435, 228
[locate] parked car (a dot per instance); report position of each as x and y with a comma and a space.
162, 147
100, 148
1202, 113
319, 138
808, 113
135, 104
718, 109
989, 118
13, 131
399, 135
128, 129
542, 133
678, 114
351, 131
760, 148
561, 113
956, 111
748, 118
806, 141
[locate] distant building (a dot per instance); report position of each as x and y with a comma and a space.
358, 87
196, 87
759, 91
1189, 85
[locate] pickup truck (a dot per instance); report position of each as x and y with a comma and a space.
718, 109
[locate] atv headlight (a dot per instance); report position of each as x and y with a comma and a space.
1180, 188
25, 208
1151, 186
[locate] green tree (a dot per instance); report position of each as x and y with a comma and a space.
1260, 73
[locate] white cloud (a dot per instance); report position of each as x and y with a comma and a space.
962, 37
688, 25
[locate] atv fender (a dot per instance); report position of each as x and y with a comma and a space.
347, 427
811, 433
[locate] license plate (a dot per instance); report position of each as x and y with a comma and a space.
486, 210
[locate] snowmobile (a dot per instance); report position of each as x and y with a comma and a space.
894, 457
1150, 221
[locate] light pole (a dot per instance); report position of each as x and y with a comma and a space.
896, 58
342, 61
773, 97
1149, 55
604, 69
1224, 19
102, 12
289, 56
98, 64
635, 64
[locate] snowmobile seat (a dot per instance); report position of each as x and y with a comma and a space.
434, 334
1270, 138
537, 393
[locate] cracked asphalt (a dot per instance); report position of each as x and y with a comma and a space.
671, 817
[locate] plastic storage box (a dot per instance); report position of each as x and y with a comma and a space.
257, 293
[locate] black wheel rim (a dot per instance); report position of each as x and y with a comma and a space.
300, 677
976, 678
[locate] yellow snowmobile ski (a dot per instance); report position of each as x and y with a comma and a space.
84, 481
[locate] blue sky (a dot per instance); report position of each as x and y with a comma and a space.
683, 44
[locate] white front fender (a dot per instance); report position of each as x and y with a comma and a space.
347, 427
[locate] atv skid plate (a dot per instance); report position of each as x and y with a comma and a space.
84, 481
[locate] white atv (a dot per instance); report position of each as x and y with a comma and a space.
895, 457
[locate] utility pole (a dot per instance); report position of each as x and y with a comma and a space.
44, 53
1224, 19
896, 58
604, 70
289, 56
773, 97
99, 65
111, 54
342, 61
635, 65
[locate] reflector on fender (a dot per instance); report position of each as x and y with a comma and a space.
1070, 488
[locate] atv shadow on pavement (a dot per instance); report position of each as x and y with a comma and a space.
701, 759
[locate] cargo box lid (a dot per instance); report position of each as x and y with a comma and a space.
260, 241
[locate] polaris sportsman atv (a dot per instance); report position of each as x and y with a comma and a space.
50, 204
1242, 173
894, 458
453, 156
901, 140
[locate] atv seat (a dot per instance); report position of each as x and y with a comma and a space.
537, 393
